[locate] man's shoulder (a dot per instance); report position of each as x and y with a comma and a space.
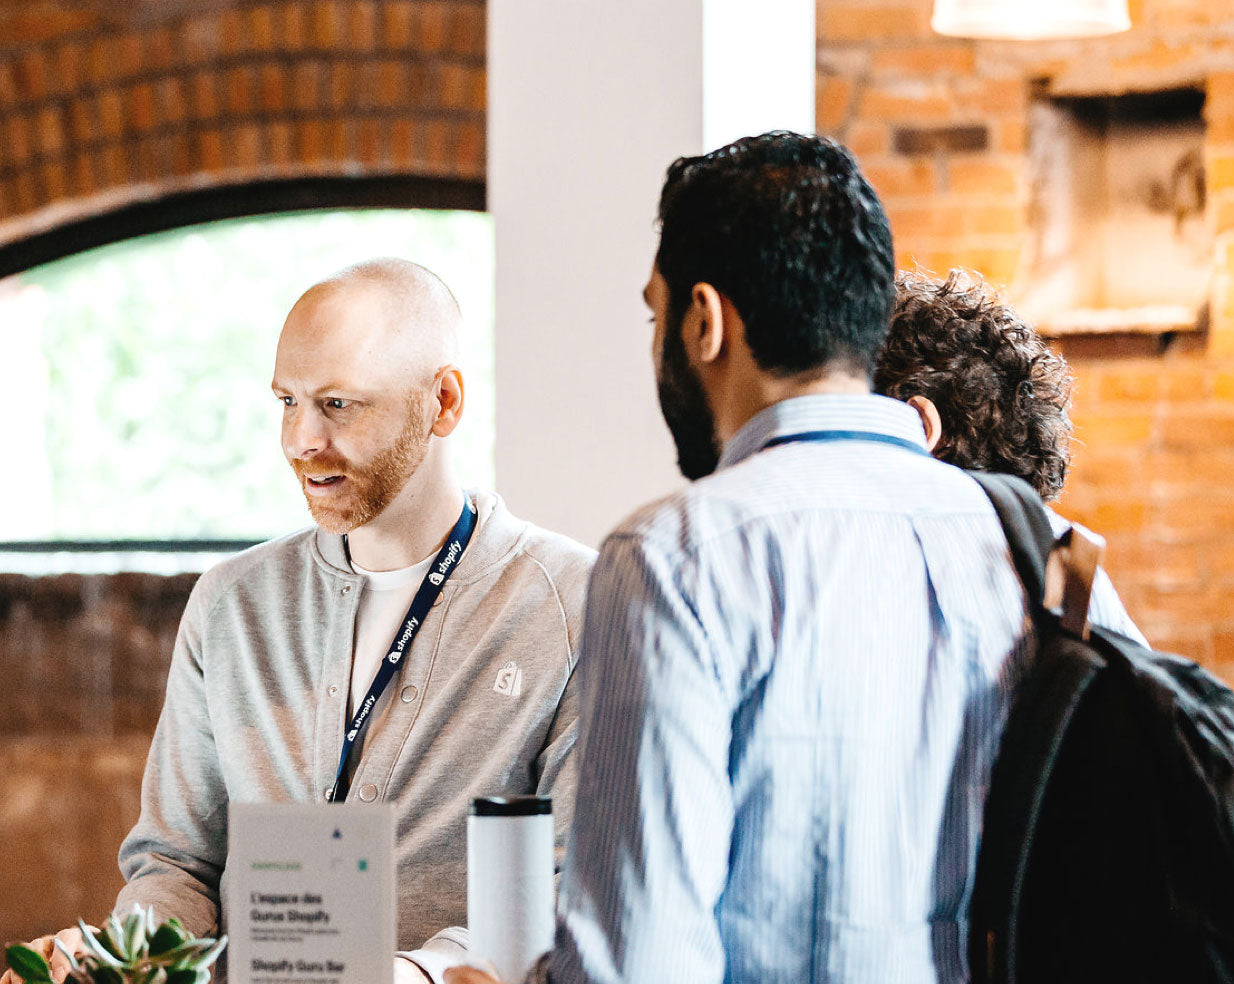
507, 537
270, 561
760, 493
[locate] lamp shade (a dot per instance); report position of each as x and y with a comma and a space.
1029, 20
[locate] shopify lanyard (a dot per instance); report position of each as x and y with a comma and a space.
823, 436
430, 588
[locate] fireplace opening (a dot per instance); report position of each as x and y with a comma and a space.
1119, 238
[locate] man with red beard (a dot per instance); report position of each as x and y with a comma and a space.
274, 666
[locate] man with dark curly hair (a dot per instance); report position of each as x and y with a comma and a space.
991, 394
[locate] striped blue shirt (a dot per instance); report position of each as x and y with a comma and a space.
797, 672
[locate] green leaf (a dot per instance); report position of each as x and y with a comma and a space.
98, 952
69, 955
28, 964
111, 938
167, 937
212, 954
182, 977
134, 936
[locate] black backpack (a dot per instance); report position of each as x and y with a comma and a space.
1107, 849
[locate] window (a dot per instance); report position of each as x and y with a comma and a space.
141, 372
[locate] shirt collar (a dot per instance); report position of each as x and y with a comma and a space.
849, 412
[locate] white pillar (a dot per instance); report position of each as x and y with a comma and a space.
589, 101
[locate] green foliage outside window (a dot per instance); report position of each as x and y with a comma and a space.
142, 371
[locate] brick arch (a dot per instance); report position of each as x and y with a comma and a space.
103, 105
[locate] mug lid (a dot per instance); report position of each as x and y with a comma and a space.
511, 806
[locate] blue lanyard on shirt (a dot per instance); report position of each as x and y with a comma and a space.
443, 566
824, 436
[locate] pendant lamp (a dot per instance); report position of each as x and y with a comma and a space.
1029, 20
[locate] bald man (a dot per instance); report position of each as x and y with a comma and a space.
278, 648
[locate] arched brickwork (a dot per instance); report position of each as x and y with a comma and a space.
103, 104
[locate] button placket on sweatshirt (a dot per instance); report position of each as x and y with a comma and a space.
399, 709
342, 596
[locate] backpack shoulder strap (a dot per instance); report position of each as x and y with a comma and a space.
1026, 526
1037, 723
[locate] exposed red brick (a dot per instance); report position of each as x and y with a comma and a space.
110, 110
162, 51
294, 35
83, 122
398, 18
239, 89
906, 102
210, 154
273, 91
833, 99
327, 23
30, 74
50, 129
362, 24
307, 85
82, 178
848, 21
171, 101
979, 176
338, 93
245, 147
367, 136
234, 36
261, 24
201, 39
432, 26
948, 57
470, 154
455, 86
466, 32
205, 95
142, 112
40, 23
403, 148
436, 145
19, 141
279, 143
129, 53
8, 84
67, 61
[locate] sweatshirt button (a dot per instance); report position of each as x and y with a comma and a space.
346, 589
332, 691
408, 694
368, 792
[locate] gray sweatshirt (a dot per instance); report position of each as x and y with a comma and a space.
257, 695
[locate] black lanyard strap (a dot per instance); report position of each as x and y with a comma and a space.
430, 588
823, 436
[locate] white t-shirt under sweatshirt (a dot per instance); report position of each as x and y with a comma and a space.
383, 603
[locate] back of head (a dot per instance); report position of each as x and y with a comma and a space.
1002, 395
785, 227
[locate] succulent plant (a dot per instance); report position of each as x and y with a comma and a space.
133, 952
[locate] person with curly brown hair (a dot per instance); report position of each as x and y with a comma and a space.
991, 394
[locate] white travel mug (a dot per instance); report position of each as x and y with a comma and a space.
510, 882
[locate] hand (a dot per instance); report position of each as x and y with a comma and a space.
465, 975
405, 972
46, 945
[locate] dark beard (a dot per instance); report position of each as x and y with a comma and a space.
686, 411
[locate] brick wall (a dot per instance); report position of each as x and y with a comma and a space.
104, 103
1154, 455
83, 663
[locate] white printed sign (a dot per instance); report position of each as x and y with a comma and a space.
310, 893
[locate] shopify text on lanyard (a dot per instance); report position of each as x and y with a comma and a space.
443, 566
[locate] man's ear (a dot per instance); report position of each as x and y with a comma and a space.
930, 419
707, 333
448, 395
